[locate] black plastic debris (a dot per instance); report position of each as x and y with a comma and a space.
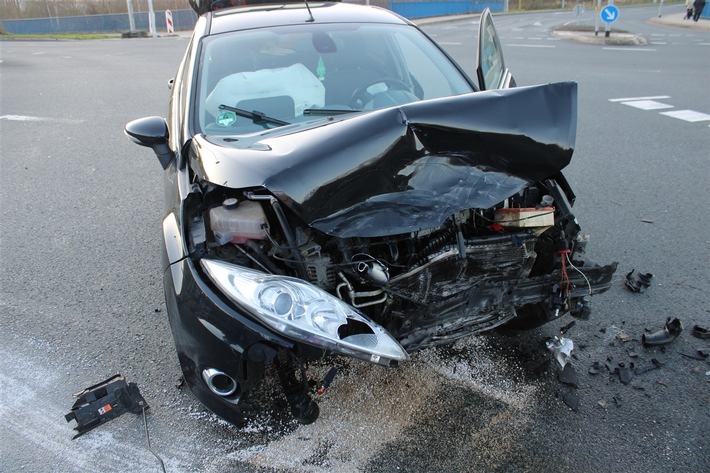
568, 375
638, 282
696, 355
618, 401
103, 402
571, 399
701, 332
626, 373
670, 332
327, 380
612, 365
596, 368
655, 364
567, 327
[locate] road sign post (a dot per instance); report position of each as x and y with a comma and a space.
609, 14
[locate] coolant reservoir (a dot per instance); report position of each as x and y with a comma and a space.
237, 222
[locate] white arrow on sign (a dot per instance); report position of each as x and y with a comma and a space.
609, 14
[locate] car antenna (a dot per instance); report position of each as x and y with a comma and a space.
311, 20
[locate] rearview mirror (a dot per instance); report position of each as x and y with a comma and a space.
152, 132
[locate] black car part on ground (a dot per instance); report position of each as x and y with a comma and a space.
103, 402
638, 282
670, 331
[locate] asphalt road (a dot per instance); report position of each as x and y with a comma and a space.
81, 295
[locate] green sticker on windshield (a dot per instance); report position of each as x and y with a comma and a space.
226, 118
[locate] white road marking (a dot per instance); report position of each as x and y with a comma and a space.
658, 42
703, 44
629, 99
629, 49
445, 43
25, 118
688, 115
647, 104
530, 45
22, 118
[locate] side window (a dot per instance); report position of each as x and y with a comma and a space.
424, 72
491, 67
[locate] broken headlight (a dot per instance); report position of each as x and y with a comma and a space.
305, 313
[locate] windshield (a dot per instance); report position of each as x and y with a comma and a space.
264, 78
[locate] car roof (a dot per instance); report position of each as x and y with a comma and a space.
261, 16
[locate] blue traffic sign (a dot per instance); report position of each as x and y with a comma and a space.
609, 14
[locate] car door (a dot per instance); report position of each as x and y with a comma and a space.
490, 66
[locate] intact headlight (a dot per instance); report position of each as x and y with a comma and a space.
306, 313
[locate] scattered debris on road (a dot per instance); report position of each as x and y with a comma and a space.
568, 375
667, 334
701, 332
638, 282
561, 349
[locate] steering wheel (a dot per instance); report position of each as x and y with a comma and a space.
361, 96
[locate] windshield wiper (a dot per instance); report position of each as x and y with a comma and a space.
255, 115
329, 111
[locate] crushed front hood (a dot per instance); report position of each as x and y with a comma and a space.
406, 168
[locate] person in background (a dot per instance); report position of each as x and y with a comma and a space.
698, 9
688, 9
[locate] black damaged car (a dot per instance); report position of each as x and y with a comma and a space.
337, 185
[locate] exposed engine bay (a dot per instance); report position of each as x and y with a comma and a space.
516, 262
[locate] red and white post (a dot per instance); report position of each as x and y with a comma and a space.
169, 21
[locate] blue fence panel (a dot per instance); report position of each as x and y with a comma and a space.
425, 9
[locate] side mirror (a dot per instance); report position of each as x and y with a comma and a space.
152, 132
